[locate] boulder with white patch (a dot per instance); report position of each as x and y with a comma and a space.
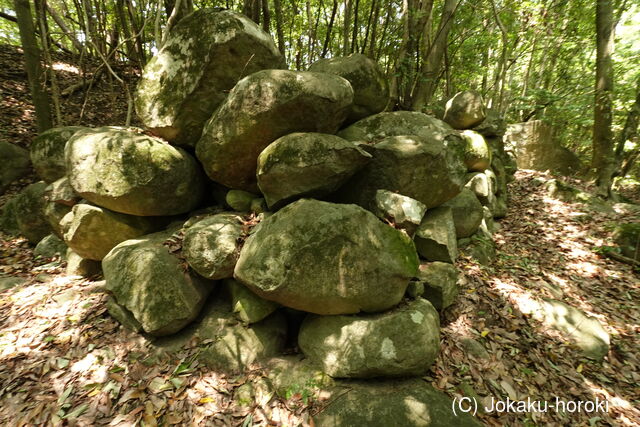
401, 342
204, 56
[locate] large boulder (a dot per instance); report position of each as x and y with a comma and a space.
212, 245
15, 164
191, 75
306, 165
47, 151
402, 403
465, 110
421, 168
327, 258
440, 282
132, 173
375, 128
92, 231
476, 152
467, 213
260, 109
370, 87
151, 283
436, 237
400, 342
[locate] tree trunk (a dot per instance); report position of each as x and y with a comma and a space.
345, 27
32, 64
603, 161
327, 39
628, 133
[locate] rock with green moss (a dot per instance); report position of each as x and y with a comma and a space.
476, 152
92, 231
440, 281
467, 213
481, 248
370, 87
500, 208
15, 164
60, 191
147, 280
404, 212
436, 237
327, 258
133, 173
24, 213
465, 110
191, 75
418, 167
78, 266
122, 315
306, 165
375, 128
410, 402
211, 246
263, 107
53, 213
47, 151
247, 306
239, 200
627, 236
50, 246
400, 342
494, 125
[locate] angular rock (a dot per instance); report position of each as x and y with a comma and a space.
436, 237
53, 213
50, 246
122, 315
47, 151
247, 306
440, 281
405, 212
627, 237
306, 165
498, 168
78, 266
482, 184
417, 167
370, 87
493, 125
211, 246
260, 109
191, 75
327, 258
132, 173
500, 208
465, 110
61, 192
146, 279
375, 128
15, 164
401, 342
477, 155
467, 213
412, 402
92, 231
239, 200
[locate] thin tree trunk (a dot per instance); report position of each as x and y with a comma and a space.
629, 132
279, 30
32, 64
354, 36
374, 30
266, 16
602, 160
327, 39
345, 27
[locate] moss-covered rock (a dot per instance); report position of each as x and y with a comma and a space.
47, 151
239, 200
211, 246
436, 237
50, 246
306, 165
247, 306
401, 342
260, 109
370, 87
327, 258
465, 110
477, 155
92, 231
627, 236
418, 167
440, 281
467, 213
494, 125
53, 213
15, 164
191, 75
24, 213
132, 173
146, 279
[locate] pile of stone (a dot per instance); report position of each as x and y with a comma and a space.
262, 203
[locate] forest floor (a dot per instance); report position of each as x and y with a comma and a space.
63, 359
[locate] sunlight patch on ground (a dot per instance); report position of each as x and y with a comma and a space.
62, 66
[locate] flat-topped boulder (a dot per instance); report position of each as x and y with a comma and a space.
370, 87
191, 75
263, 107
133, 173
327, 258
